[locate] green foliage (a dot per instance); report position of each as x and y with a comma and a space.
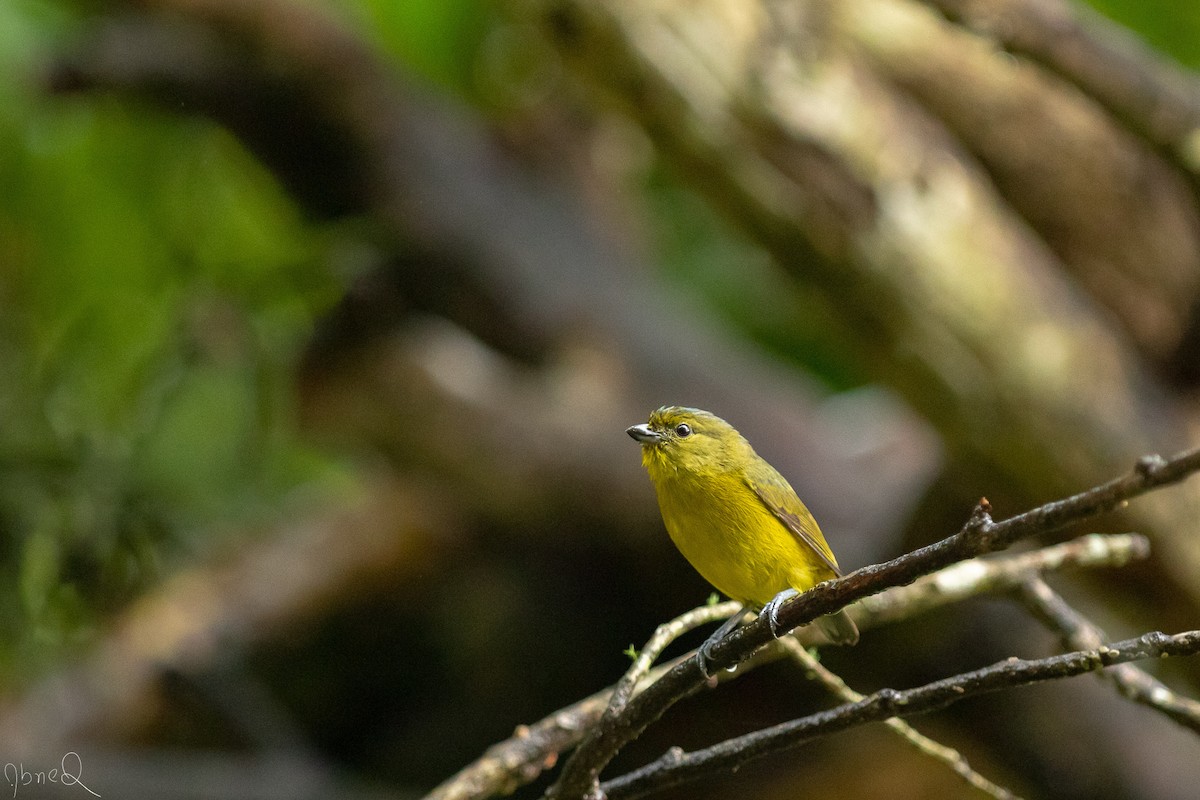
156, 287
1168, 25
439, 39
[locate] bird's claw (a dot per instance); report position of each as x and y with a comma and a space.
771, 609
702, 655
704, 652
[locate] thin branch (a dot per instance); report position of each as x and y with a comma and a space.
580, 776
996, 575
519, 760
936, 750
677, 767
510, 764
1131, 681
506, 766
663, 636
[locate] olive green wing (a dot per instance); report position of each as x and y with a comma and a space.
782, 501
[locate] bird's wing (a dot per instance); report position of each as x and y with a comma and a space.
779, 497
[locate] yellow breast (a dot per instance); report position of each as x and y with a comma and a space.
732, 539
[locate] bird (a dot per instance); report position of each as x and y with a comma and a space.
735, 519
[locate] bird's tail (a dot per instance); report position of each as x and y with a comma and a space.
838, 628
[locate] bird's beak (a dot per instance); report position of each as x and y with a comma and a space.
643, 434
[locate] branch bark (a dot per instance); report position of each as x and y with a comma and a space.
516, 761
952, 758
1130, 681
677, 767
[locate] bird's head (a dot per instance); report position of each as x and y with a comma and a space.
679, 439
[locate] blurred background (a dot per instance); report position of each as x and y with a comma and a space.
321, 324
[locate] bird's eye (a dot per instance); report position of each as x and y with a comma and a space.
683, 429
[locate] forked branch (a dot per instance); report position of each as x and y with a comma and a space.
979, 535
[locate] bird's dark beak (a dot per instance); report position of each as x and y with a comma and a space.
643, 434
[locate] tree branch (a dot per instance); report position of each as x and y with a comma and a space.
1130, 681
935, 750
996, 575
663, 636
677, 767
580, 777
519, 760
515, 762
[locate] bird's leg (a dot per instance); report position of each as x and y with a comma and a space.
771, 609
720, 633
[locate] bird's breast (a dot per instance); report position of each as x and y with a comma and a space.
732, 539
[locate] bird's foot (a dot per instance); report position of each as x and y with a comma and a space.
771, 609
704, 652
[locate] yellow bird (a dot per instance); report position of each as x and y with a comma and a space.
735, 518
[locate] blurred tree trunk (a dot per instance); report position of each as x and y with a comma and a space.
993, 242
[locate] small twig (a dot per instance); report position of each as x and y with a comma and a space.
1131, 681
936, 750
519, 760
510, 764
677, 767
663, 636
980, 535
